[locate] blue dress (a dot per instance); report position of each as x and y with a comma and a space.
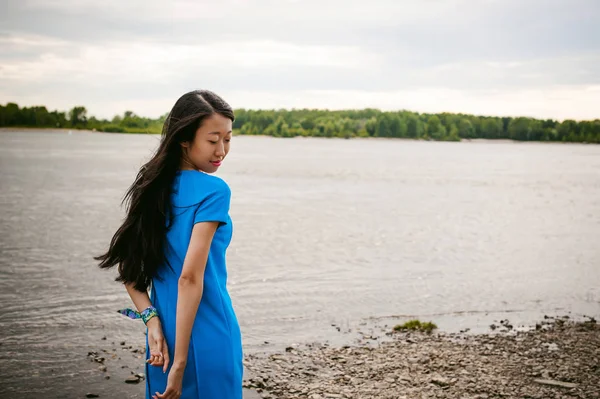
214, 368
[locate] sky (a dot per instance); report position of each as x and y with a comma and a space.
537, 58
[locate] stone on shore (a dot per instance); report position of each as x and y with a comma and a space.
557, 383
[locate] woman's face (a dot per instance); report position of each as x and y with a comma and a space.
210, 145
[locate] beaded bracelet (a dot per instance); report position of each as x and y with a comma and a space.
145, 315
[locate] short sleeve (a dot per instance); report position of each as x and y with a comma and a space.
215, 207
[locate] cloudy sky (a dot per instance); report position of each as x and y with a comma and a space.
537, 58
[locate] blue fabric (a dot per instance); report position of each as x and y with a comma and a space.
214, 367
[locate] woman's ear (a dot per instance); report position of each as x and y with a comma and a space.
185, 144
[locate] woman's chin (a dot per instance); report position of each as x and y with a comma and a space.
208, 169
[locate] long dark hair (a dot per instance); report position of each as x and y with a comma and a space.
138, 246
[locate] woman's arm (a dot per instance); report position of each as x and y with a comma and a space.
190, 288
159, 353
141, 300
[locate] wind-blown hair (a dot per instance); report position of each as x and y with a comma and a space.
138, 246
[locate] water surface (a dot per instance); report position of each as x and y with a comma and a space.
325, 232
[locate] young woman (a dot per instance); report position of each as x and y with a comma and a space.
174, 240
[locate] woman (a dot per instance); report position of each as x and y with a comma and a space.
174, 240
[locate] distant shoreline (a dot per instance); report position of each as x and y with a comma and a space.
46, 129
473, 140
349, 123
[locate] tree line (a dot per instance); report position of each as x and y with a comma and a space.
324, 123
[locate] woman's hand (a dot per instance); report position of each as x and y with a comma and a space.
174, 383
159, 352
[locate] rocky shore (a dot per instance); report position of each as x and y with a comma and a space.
559, 358
120, 365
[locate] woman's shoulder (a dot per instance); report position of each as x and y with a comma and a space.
202, 185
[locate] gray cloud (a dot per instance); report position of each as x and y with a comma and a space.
65, 51
438, 29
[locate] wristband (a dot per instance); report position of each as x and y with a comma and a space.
148, 313
145, 315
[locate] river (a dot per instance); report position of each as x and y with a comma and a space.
328, 234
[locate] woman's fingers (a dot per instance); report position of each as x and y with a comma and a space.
169, 394
162, 396
157, 349
165, 356
155, 359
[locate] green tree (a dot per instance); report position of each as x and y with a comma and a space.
435, 129
397, 127
453, 134
568, 130
11, 114
383, 126
59, 119
491, 128
78, 116
520, 129
465, 129
371, 126
415, 128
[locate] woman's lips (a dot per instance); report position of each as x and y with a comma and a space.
216, 163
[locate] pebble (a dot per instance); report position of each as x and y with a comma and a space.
133, 379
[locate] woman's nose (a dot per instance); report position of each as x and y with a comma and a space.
220, 151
